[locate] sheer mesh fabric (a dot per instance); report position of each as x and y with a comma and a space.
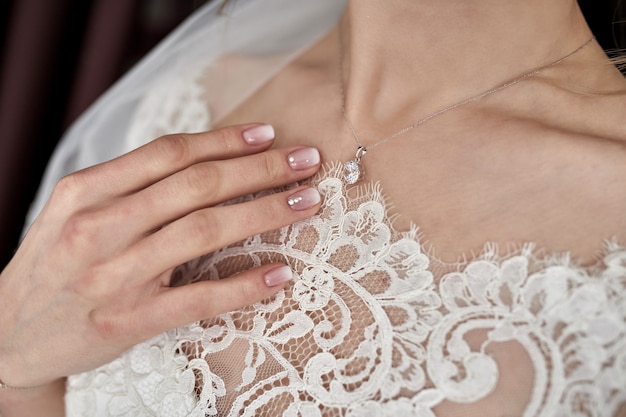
373, 325
367, 328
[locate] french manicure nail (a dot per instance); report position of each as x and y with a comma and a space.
259, 135
303, 158
278, 275
304, 199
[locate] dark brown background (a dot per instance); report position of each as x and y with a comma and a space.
57, 56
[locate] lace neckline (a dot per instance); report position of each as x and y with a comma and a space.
368, 327
541, 257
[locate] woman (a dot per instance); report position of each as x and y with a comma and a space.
482, 121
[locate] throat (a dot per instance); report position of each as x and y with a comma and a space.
414, 57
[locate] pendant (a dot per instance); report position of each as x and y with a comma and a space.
353, 170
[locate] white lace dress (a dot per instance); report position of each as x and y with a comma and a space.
372, 325
370, 328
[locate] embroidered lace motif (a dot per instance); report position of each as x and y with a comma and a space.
367, 329
372, 326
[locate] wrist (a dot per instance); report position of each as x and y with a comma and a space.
7, 387
47, 399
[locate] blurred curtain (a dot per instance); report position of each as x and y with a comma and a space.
56, 58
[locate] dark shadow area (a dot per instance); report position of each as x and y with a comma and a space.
56, 58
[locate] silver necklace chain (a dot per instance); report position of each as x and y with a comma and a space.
353, 170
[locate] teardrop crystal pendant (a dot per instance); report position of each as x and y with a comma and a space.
353, 170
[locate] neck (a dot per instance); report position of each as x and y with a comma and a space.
413, 57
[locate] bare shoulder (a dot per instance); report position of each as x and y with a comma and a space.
594, 138
551, 170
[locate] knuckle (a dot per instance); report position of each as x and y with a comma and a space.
177, 148
269, 211
92, 284
266, 167
205, 229
265, 216
81, 229
69, 190
110, 317
223, 138
203, 180
248, 291
107, 324
199, 308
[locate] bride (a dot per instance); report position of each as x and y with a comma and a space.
427, 222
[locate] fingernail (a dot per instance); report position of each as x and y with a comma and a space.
303, 158
277, 276
304, 199
259, 135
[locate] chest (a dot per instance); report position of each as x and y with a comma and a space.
467, 177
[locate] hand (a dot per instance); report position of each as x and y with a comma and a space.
91, 277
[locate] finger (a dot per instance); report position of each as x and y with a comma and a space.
207, 230
168, 154
210, 183
175, 307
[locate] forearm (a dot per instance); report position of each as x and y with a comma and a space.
44, 401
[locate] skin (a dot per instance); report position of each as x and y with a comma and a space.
543, 161
91, 277
537, 162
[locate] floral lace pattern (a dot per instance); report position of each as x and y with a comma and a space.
372, 325
368, 329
